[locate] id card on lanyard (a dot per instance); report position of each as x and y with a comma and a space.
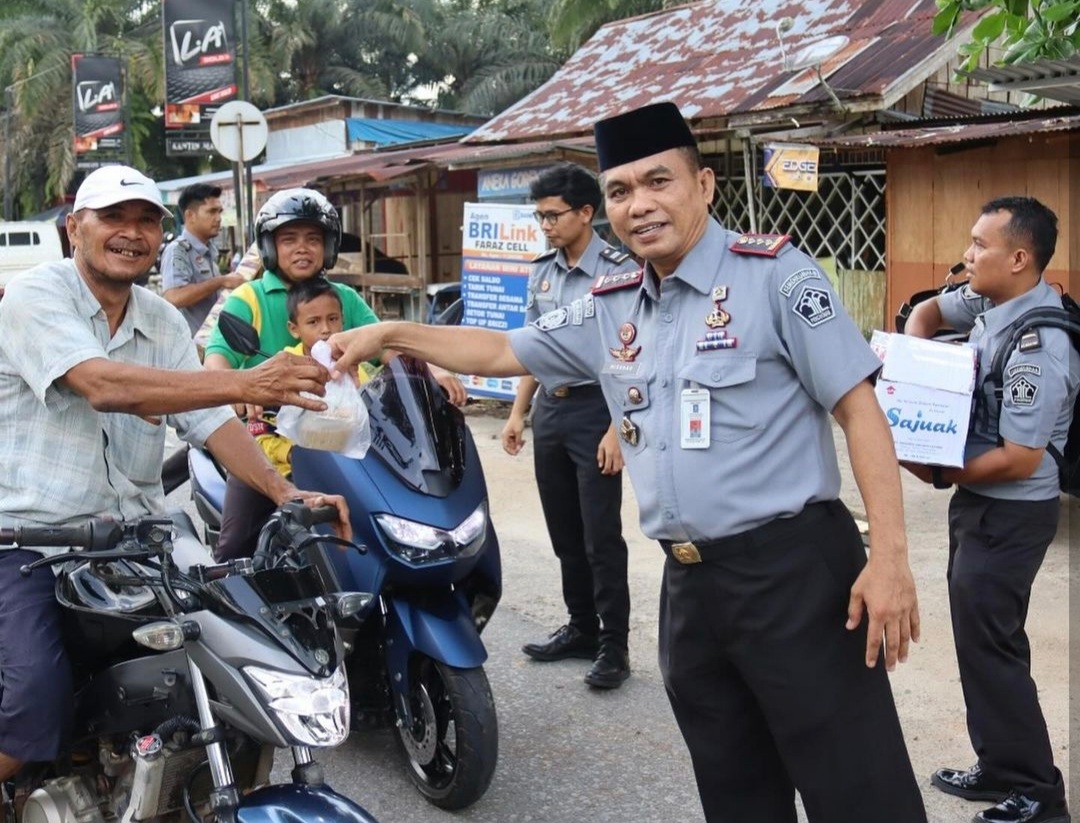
694, 405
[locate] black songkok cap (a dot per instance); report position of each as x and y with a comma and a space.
642, 132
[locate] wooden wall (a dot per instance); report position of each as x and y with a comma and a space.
934, 196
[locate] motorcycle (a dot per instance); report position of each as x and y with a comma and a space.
419, 504
189, 675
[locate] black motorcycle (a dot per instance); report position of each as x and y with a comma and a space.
189, 675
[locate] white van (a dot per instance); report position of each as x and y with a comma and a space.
25, 244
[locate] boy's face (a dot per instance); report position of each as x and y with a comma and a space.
316, 320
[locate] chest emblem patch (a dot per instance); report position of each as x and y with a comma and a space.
814, 306
627, 335
1023, 392
718, 317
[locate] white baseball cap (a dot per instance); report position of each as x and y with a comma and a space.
110, 185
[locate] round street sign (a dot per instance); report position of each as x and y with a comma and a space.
238, 131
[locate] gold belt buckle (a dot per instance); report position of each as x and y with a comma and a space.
685, 553
562, 391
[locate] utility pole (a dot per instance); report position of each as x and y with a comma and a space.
9, 112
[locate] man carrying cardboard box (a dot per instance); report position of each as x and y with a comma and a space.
1004, 513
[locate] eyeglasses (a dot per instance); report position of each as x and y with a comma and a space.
551, 217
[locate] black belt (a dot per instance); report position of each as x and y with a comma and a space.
700, 550
576, 391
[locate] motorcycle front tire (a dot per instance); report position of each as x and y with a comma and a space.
452, 741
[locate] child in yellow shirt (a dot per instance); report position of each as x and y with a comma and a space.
315, 313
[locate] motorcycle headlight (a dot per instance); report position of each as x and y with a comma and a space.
418, 543
312, 711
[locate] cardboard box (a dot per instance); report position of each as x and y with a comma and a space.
925, 389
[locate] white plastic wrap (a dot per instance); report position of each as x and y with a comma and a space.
343, 427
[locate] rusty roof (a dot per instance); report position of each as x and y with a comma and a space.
1047, 121
725, 58
382, 166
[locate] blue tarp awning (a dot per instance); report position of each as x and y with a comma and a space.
391, 132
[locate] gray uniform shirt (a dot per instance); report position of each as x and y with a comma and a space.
791, 354
553, 284
64, 461
188, 260
1040, 386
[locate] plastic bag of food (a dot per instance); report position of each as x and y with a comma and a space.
342, 427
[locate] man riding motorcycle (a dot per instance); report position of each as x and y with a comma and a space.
298, 235
90, 370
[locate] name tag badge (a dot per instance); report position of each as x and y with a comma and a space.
694, 417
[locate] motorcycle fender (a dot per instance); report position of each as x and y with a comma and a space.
442, 629
290, 803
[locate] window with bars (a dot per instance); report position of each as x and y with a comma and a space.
844, 219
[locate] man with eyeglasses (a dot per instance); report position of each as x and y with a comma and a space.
577, 459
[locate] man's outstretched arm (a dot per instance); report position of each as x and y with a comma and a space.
459, 349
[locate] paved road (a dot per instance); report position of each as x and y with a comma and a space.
568, 754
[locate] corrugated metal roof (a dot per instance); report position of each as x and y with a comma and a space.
954, 133
720, 58
1052, 79
381, 166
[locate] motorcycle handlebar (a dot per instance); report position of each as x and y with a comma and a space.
97, 535
322, 514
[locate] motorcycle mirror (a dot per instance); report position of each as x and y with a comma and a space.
239, 334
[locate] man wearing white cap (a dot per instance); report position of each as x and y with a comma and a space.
721, 362
91, 369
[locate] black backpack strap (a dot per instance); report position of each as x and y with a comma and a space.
1021, 336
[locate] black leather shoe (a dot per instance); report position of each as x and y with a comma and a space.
974, 784
611, 668
1017, 808
564, 642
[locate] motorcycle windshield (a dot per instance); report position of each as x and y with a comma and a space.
415, 430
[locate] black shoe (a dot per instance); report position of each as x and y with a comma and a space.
1017, 808
566, 641
970, 785
611, 668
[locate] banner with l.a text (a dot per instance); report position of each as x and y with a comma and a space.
97, 84
499, 243
200, 70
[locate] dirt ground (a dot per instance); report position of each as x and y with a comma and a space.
927, 688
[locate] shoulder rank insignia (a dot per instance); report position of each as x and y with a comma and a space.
544, 255
614, 255
1030, 341
614, 282
766, 245
184, 244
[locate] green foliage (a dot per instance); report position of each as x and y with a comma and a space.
475, 55
1026, 29
572, 22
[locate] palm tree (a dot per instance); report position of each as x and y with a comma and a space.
485, 57
572, 22
36, 43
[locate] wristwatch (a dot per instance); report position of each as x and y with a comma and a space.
938, 480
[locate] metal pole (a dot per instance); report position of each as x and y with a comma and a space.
9, 100
249, 193
749, 184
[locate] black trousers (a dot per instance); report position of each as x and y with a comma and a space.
770, 691
995, 550
243, 515
582, 509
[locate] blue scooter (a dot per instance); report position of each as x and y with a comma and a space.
419, 504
